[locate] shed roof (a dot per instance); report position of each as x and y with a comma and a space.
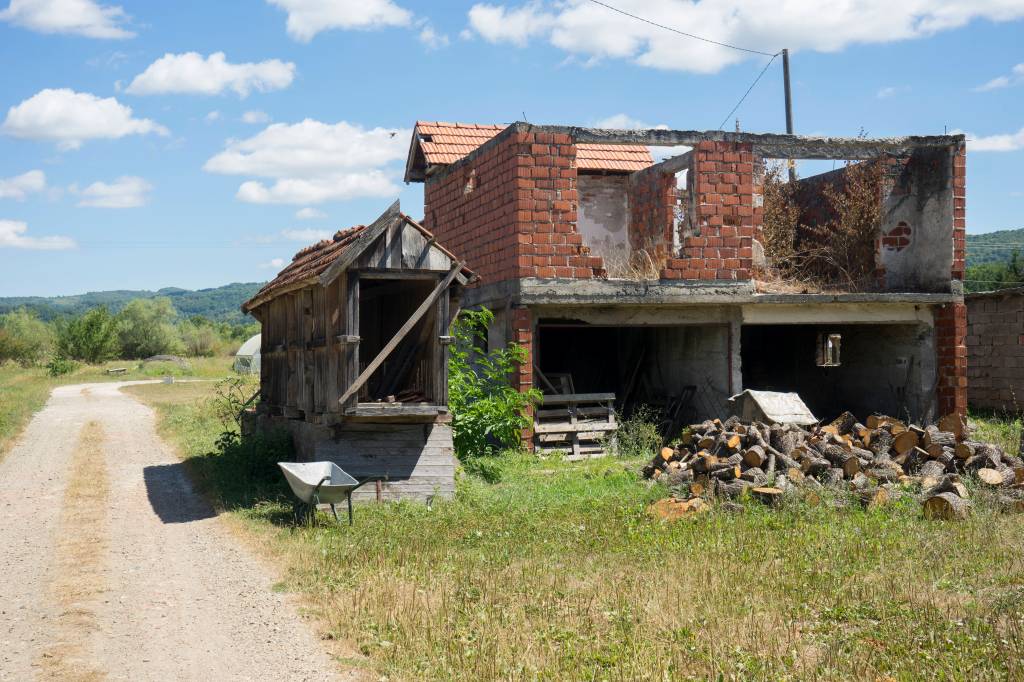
436, 143
313, 261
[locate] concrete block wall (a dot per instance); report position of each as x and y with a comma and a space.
510, 209
995, 351
726, 215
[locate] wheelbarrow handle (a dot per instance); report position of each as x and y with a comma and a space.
369, 479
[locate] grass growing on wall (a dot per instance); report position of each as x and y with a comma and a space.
555, 571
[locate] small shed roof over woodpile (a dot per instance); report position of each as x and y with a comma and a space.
439, 144
357, 325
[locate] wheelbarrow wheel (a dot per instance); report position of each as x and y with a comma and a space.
303, 513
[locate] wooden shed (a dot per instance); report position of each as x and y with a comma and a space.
354, 353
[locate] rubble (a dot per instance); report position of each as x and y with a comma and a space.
876, 462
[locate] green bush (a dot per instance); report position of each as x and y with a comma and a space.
199, 340
24, 338
146, 328
638, 434
243, 472
60, 365
90, 337
488, 413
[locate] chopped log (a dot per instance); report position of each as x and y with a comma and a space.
754, 475
873, 497
947, 507
952, 423
815, 466
1018, 475
881, 442
991, 477
964, 450
882, 474
832, 477
679, 476
843, 424
795, 475
755, 456
729, 423
933, 436
950, 483
770, 496
835, 454
667, 453
851, 466
905, 442
1012, 461
706, 442
730, 442
931, 473
732, 489
860, 482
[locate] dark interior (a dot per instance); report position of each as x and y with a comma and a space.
384, 306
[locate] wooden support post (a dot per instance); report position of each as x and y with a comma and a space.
351, 357
442, 286
441, 351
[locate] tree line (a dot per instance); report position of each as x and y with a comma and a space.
141, 329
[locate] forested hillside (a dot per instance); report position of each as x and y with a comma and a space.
220, 304
995, 260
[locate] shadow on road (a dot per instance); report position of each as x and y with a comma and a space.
171, 496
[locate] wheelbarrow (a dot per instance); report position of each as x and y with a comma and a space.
316, 483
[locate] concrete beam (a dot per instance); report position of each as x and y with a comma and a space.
838, 313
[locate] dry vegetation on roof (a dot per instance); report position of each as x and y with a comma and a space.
823, 234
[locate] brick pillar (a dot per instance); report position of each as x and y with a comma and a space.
951, 348
522, 334
959, 211
723, 180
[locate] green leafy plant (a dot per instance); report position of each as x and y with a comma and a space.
146, 328
231, 396
488, 413
90, 337
24, 338
60, 365
638, 434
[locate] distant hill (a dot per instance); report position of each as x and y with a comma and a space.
994, 247
220, 303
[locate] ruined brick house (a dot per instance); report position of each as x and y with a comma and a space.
995, 349
637, 279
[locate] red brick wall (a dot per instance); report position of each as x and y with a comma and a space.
652, 203
951, 340
959, 212
723, 177
510, 210
522, 334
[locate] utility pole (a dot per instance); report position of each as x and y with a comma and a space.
789, 107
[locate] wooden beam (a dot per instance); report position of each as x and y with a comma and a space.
442, 286
375, 230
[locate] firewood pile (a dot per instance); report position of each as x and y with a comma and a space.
876, 462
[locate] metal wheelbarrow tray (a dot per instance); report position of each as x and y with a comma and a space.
316, 483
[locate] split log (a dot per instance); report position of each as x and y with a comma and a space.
832, 477
950, 483
668, 453
953, 423
843, 424
881, 442
933, 436
755, 456
964, 450
815, 466
768, 495
947, 507
905, 442
931, 473
732, 489
679, 476
754, 475
883, 474
851, 466
873, 497
991, 477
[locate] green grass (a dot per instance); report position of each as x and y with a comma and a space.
556, 571
23, 391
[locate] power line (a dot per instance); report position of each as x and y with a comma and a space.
729, 115
682, 33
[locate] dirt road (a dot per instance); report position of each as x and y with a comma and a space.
111, 567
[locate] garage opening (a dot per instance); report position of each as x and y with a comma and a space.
679, 373
863, 368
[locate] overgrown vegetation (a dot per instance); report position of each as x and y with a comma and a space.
488, 413
824, 231
639, 434
996, 275
556, 571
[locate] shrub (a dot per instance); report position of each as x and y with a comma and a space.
90, 337
24, 338
60, 365
199, 340
243, 471
638, 434
146, 328
231, 396
488, 413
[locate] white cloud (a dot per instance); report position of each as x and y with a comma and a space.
432, 39
20, 186
1005, 142
312, 162
12, 235
626, 122
126, 192
213, 116
886, 92
273, 264
1016, 77
255, 117
192, 74
306, 235
69, 118
306, 18
78, 17
586, 29
309, 213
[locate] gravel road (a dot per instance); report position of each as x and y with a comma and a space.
159, 589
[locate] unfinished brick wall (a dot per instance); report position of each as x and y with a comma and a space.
652, 204
951, 348
726, 215
510, 209
522, 333
995, 351
959, 212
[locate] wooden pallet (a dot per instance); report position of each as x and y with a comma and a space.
580, 424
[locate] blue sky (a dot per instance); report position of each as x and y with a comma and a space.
187, 190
